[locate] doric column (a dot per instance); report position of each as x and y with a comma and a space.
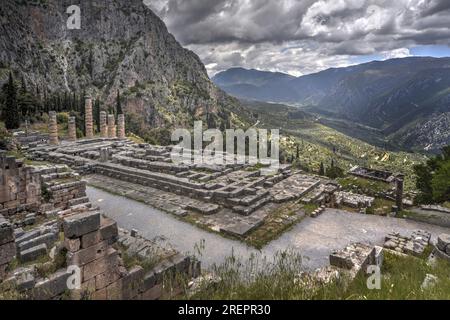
88, 118
103, 125
53, 128
72, 129
121, 126
111, 126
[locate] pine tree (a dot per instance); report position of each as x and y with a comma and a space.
11, 113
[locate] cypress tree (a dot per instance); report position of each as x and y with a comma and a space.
118, 104
322, 169
11, 113
97, 114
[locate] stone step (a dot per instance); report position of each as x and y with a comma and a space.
248, 210
49, 239
153, 182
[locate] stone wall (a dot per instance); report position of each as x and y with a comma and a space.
7, 246
20, 186
74, 238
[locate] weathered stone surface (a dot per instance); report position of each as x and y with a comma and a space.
33, 253
88, 118
155, 293
49, 288
413, 245
149, 281
132, 283
72, 245
53, 128
105, 279
24, 279
81, 224
7, 252
49, 239
121, 126
354, 258
443, 243
85, 256
103, 125
72, 129
90, 239
6, 231
108, 261
430, 282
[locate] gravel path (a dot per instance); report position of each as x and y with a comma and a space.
315, 239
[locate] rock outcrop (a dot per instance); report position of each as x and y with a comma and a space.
121, 46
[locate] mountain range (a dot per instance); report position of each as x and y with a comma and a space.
403, 102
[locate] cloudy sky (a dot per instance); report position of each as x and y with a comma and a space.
305, 36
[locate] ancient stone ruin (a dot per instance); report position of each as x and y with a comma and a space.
414, 244
53, 128
442, 248
89, 121
66, 236
103, 125
111, 126
55, 244
72, 129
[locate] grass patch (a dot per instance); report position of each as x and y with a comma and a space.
367, 186
310, 208
132, 260
276, 223
254, 279
381, 207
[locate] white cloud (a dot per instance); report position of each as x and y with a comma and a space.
302, 36
397, 53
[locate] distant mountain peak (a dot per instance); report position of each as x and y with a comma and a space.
376, 94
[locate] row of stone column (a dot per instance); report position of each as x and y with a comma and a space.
108, 127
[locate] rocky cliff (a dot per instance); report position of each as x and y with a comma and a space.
122, 45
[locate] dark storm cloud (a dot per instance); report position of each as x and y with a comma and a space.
300, 36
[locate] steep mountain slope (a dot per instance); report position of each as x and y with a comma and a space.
391, 97
122, 45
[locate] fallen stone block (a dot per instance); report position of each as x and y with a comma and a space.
81, 224
49, 288
443, 243
430, 282
354, 258
49, 239
24, 279
33, 253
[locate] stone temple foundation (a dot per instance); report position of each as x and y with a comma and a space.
62, 232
